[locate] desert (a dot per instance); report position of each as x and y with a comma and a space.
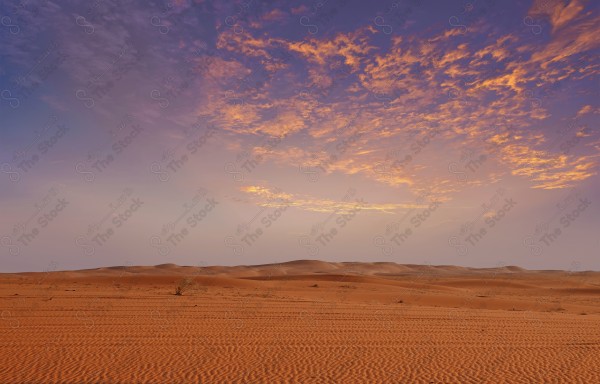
303, 321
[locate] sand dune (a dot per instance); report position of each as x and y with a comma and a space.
304, 321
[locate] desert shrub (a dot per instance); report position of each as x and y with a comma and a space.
183, 286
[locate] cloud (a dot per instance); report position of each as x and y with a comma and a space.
549, 171
587, 109
559, 12
275, 15
351, 48
344, 100
276, 198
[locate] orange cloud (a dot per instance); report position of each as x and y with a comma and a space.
559, 12
415, 85
548, 171
274, 15
353, 48
277, 198
586, 109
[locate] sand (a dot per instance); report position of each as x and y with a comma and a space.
301, 322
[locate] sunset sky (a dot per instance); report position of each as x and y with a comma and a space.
216, 132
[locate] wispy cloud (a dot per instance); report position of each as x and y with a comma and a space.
268, 197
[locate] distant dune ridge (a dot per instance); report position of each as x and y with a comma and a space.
303, 321
297, 267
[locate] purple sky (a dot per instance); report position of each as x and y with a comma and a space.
202, 133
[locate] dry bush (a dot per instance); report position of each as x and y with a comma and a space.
183, 286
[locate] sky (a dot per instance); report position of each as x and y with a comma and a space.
237, 133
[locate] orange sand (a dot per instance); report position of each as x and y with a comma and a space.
301, 322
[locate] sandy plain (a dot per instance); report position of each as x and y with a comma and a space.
301, 322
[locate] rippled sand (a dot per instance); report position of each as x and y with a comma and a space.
301, 322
